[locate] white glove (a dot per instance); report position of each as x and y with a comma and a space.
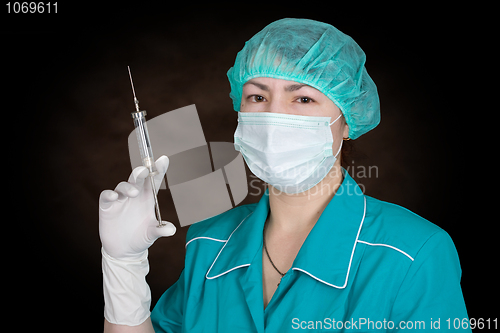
128, 227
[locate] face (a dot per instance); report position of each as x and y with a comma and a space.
265, 94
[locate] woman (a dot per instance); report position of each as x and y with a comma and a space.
315, 252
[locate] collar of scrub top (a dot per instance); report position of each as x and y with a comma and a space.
327, 252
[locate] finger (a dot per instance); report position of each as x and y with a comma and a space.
138, 175
107, 198
168, 229
126, 190
162, 164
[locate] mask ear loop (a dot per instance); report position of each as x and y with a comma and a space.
336, 119
340, 115
345, 139
341, 142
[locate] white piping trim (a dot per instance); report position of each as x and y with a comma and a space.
232, 269
350, 261
331, 285
213, 277
214, 239
389, 246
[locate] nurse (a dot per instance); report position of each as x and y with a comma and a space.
315, 252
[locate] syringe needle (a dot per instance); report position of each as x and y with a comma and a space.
145, 148
136, 101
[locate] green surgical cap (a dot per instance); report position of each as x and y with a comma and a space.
316, 54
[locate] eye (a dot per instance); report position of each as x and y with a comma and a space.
257, 98
305, 99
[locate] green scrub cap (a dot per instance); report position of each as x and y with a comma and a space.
316, 54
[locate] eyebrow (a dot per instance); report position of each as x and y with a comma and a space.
291, 87
258, 85
294, 87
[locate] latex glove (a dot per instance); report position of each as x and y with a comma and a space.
128, 227
127, 222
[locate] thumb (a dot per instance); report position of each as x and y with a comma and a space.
155, 232
162, 164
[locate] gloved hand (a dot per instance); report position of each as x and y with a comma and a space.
128, 227
127, 222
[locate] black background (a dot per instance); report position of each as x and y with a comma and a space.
66, 100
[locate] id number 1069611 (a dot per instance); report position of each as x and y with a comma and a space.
31, 7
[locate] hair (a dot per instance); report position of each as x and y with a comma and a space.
347, 153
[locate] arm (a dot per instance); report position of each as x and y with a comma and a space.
127, 228
430, 293
145, 327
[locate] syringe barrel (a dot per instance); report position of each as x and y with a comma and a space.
141, 129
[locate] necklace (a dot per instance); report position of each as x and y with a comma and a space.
269, 257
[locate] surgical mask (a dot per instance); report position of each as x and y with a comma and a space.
291, 153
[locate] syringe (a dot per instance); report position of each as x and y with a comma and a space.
148, 160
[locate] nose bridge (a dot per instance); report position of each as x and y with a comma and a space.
278, 103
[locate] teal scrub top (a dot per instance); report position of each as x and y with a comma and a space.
366, 266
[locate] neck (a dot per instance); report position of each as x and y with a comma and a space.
298, 213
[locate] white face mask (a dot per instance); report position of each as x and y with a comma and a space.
292, 153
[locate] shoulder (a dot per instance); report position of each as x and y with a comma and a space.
397, 227
221, 226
